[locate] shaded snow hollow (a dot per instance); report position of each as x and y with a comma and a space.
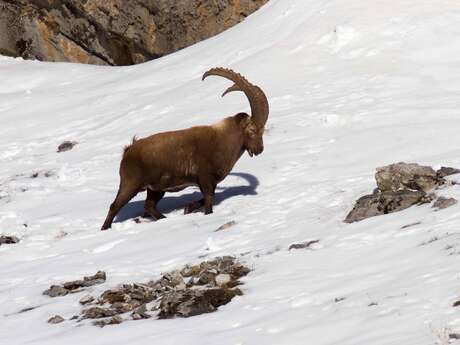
352, 86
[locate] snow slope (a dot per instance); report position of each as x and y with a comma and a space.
352, 85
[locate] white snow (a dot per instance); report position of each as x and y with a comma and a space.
352, 85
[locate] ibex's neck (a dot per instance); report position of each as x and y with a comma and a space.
231, 140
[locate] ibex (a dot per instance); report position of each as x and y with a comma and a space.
198, 156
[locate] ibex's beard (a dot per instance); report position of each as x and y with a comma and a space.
254, 152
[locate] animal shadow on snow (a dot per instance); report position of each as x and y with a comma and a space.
170, 202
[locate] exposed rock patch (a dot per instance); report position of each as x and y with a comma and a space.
400, 186
193, 290
4, 239
112, 32
75, 285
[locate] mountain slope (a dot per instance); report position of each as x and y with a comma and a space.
351, 86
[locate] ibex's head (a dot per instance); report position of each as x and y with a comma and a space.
253, 127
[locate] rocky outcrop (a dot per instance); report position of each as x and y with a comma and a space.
112, 32
400, 186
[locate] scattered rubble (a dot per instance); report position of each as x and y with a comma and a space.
400, 186
66, 146
442, 203
4, 239
56, 319
193, 290
74, 286
304, 245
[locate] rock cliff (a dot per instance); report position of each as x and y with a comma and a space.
112, 32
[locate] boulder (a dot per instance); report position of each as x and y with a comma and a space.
386, 202
412, 176
194, 302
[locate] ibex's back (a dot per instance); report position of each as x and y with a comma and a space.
201, 156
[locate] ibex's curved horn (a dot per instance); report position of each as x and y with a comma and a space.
232, 88
257, 99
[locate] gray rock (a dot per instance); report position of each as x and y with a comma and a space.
443, 202
98, 313
86, 299
66, 146
223, 279
195, 302
55, 291
8, 239
412, 176
447, 171
303, 245
386, 202
56, 319
115, 320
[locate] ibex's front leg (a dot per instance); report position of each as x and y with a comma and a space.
207, 186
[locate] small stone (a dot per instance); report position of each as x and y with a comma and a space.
447, 171
223, 279
56, 319
454, 336
141, 313
66, 146
98, 313
339, 299
443, 202
8, 239
56, 291
303, 245
115, 320
226, 226
456, 304
113, 296
86, 299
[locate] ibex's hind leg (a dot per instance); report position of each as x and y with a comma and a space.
193, 206
151, 203
125, 193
